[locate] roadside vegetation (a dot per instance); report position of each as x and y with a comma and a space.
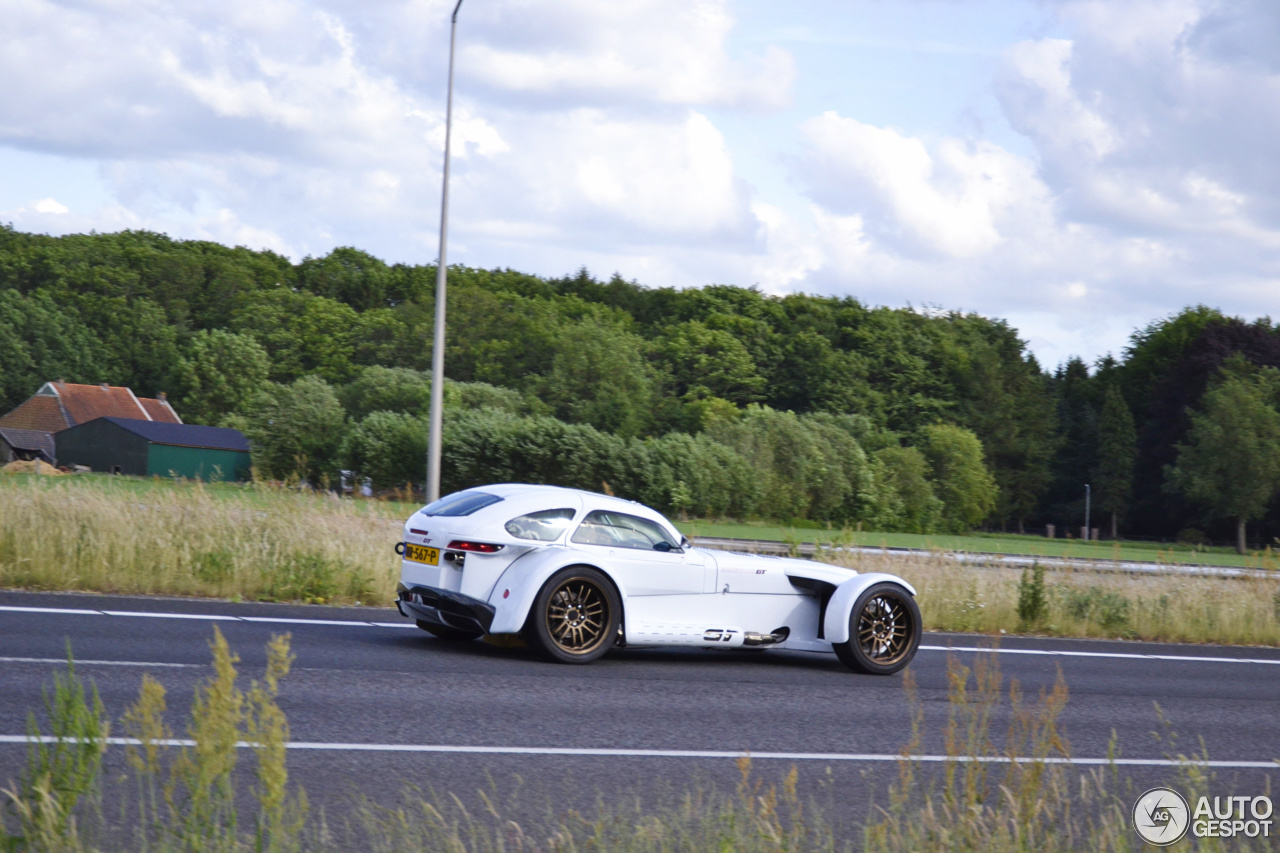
117, 535
190, 789
1167, 553
270, 543
708, 402
1068, 603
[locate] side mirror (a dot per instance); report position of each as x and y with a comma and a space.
664, 547
685, 543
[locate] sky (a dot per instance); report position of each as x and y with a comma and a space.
1076, 168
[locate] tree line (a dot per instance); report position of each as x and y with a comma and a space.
717, 400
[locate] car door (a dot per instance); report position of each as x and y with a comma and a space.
642, 553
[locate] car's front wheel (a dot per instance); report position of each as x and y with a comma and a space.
446, 632
575, 616
884, 631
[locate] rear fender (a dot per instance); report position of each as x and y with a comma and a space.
835, 628
514, 593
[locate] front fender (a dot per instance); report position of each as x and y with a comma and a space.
835, 627
516, 589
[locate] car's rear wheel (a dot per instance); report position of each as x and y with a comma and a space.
884, 631
575, 616
446, 632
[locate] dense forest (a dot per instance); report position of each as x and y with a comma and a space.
717, 401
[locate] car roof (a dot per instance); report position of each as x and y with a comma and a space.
524, 493
510, 490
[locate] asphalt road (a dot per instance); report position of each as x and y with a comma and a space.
367, 691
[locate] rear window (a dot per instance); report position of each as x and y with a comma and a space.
460, 503
545, 526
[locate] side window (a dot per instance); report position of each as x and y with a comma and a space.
618, 530
545, 526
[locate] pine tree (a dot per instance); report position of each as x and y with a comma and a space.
1117, 453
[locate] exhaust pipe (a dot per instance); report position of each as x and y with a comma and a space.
751, 638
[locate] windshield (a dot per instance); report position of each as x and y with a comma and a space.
460, 503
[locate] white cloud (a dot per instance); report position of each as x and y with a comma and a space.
648, 50
646, 180
611, 134
1153, 185
949, 200
316, 123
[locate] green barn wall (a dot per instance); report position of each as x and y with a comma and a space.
101, 446
197, 462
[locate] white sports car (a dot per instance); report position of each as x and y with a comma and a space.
578, 573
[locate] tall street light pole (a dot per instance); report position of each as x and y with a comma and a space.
1088, 495
437, 348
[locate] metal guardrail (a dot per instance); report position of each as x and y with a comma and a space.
979, 558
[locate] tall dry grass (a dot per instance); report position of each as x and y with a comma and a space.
1163, 608
186, 539
256, 542
1029, 800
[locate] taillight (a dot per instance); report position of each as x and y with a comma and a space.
481, 547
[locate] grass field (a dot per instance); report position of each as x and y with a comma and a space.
990, 543
252, 542
127, 535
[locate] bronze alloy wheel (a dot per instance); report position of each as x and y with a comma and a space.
884, 631
576, 615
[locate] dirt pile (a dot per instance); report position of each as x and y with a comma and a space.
29, 466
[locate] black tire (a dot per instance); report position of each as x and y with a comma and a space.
445, 632
575, 617
884, 631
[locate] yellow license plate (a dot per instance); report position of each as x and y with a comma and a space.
422, 554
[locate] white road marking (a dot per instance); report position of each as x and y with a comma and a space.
677, 753
79, 662
281, 620
304, 621
204, 616
62, 610
1121, 655
278, 620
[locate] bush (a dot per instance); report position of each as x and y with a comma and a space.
387, 389
1109, 609
389, 448
807, 467
1032, 604
1192, 536
908, 503
960, 475
297, 430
